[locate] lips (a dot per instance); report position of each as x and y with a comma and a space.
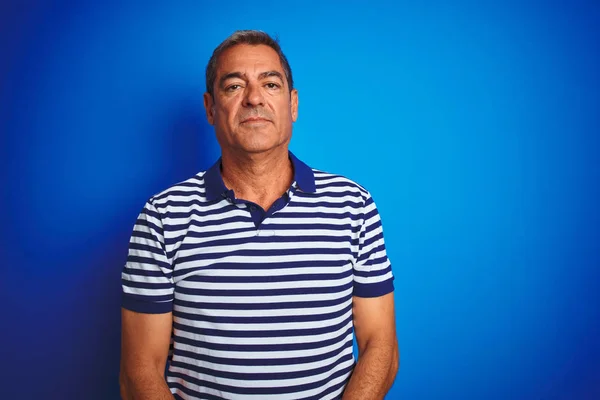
255, 119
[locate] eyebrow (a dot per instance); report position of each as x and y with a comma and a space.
269, 74
242, 76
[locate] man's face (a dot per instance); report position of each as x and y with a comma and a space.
252, 109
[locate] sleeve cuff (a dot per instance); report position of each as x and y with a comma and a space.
374, 289
146, 307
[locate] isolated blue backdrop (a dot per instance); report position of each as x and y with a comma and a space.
475, 126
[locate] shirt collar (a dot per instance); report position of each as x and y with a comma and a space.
215, 188
213, 182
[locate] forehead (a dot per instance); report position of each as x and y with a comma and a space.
248, 59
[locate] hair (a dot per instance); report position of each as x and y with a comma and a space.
250, 37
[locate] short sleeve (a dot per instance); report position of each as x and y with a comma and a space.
147, 278
372, 269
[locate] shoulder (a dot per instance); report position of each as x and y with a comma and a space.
192, 188
327, 182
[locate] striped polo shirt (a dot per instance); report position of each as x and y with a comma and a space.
261, 300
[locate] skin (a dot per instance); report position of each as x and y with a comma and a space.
145, 340
252, 111
378, 355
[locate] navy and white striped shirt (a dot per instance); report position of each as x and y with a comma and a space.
261, 300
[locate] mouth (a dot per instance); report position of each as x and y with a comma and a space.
255, 120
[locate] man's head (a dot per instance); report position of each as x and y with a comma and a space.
250, 99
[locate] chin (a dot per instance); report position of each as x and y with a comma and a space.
256, 142
258, 147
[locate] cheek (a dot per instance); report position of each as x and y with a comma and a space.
226, 114
283, 109
285, 114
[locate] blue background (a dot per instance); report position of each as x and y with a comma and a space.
474, 125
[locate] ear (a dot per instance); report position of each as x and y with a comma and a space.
294, 104
209, 107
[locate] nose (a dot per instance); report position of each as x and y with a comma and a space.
253, 96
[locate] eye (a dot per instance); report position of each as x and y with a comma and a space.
232, 88
272, 85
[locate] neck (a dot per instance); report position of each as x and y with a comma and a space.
259, 177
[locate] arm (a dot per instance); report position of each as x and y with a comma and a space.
378, 356
145, 340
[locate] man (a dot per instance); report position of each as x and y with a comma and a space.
260, 269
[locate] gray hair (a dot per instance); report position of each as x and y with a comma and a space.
250, 37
